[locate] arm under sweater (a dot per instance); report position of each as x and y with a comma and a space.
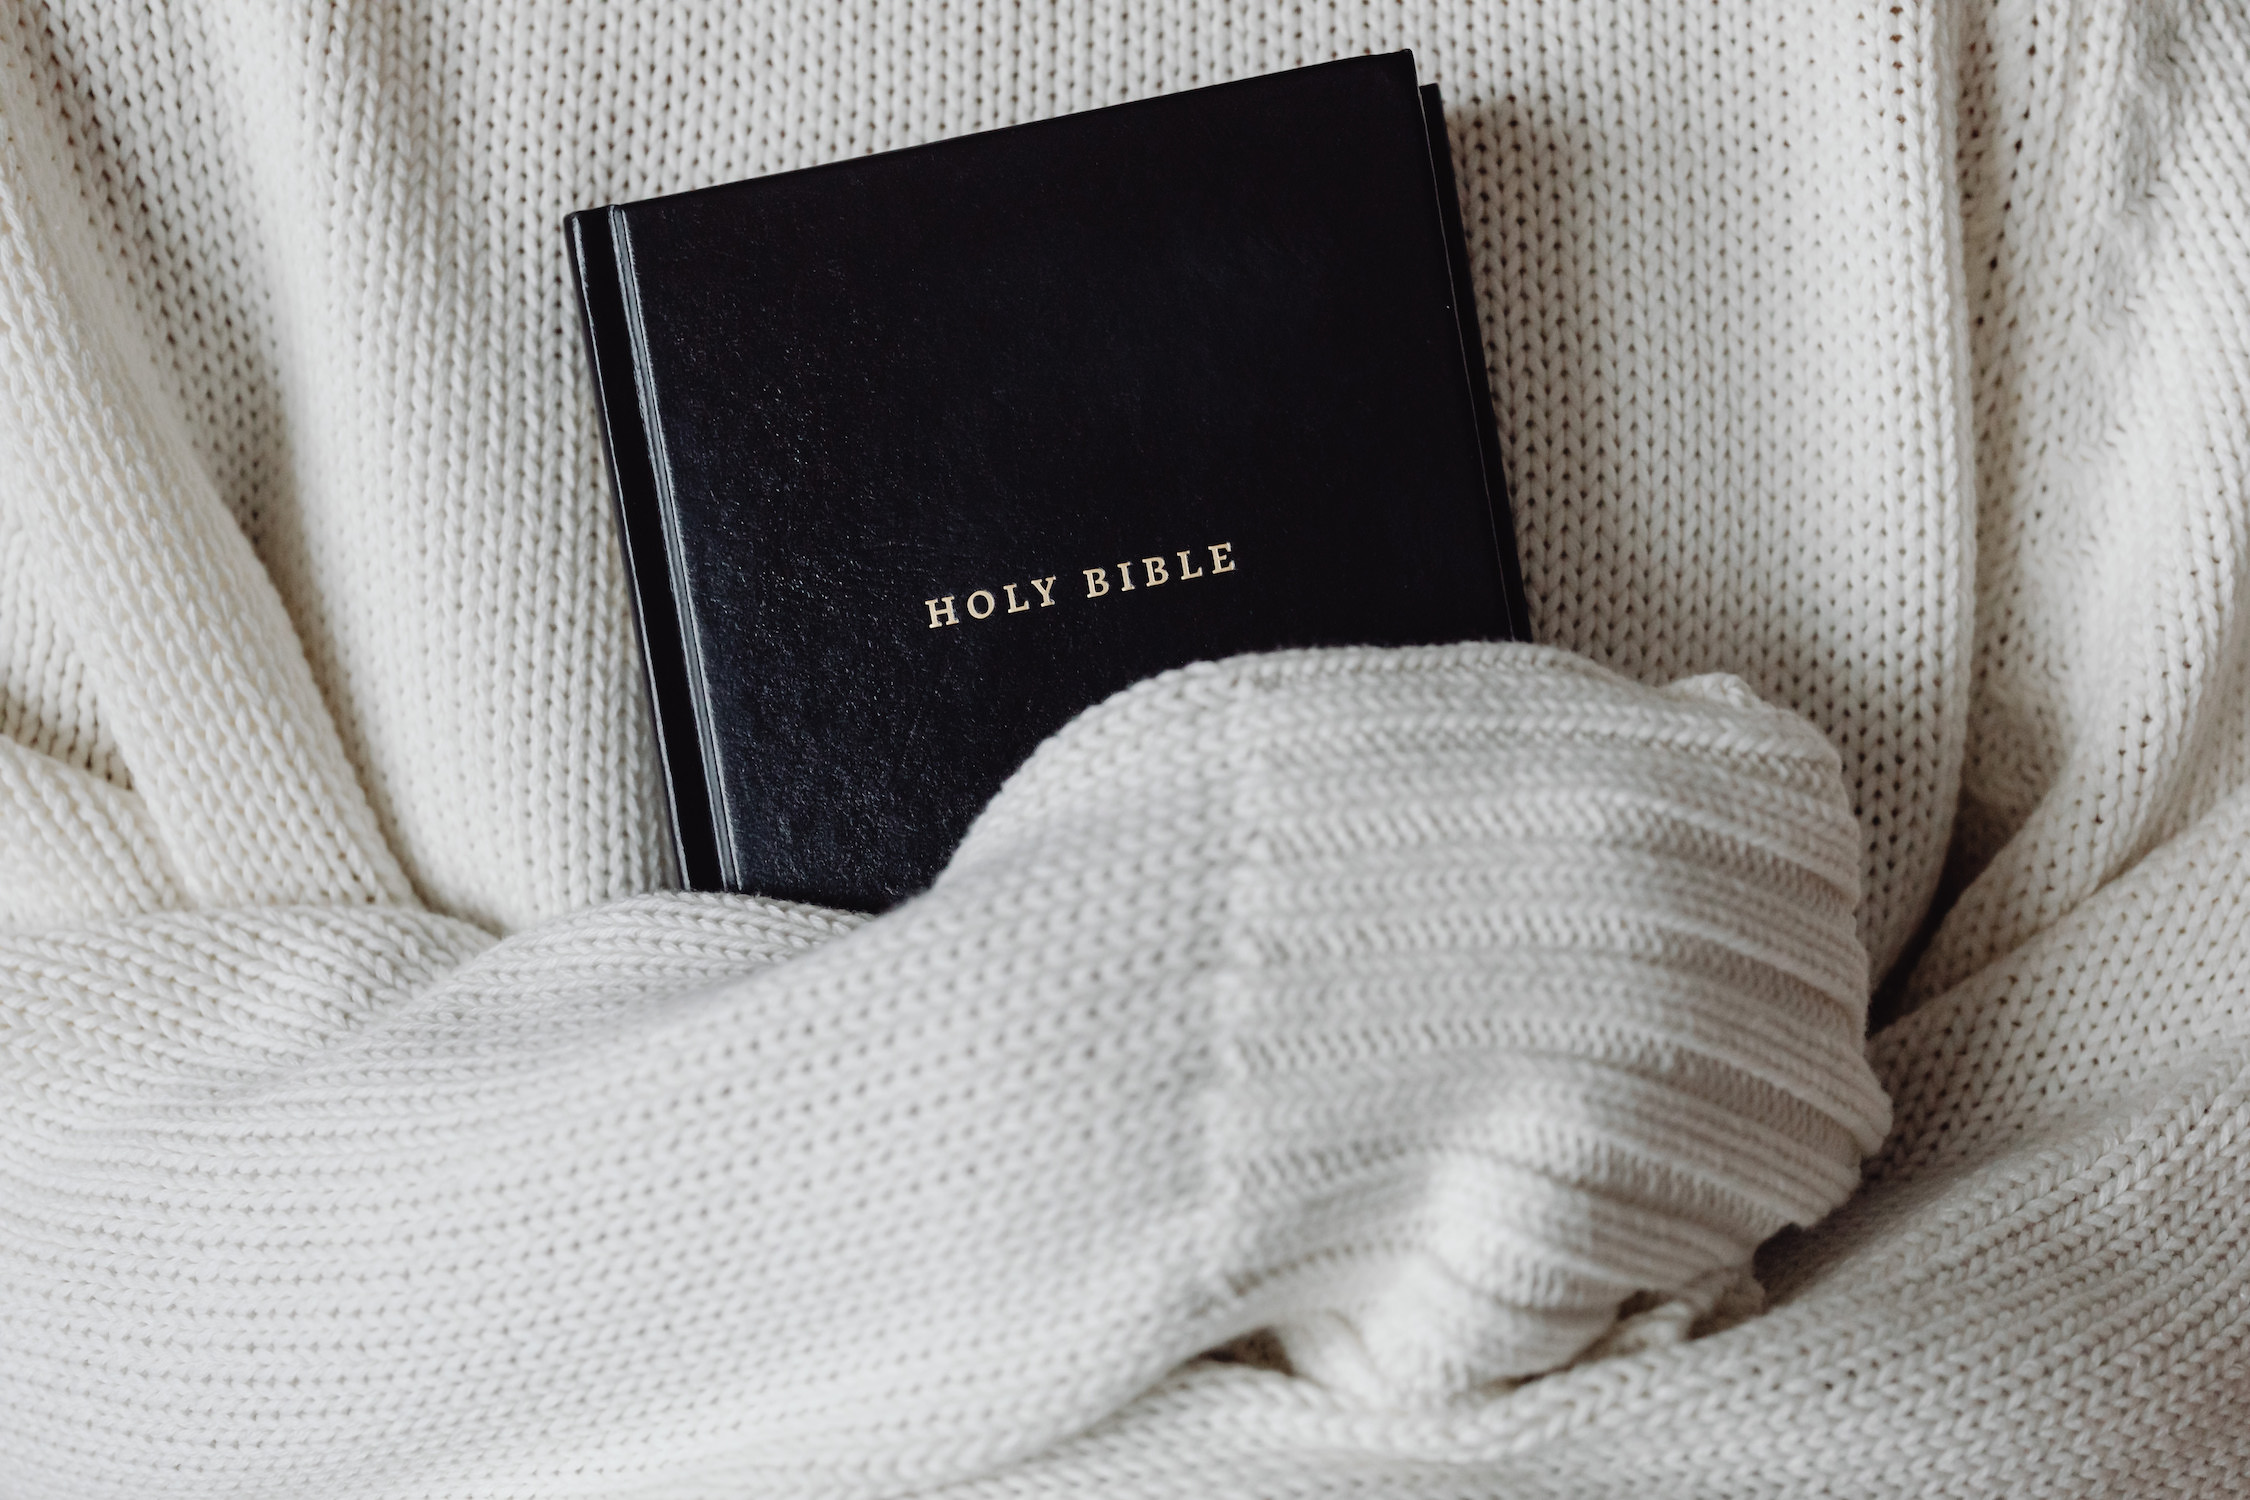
1423, 1005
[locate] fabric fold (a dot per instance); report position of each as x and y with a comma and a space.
1150, 1023
202, 683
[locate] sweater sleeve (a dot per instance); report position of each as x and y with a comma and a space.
1422, 1006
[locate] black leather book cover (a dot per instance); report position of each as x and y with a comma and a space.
919, 454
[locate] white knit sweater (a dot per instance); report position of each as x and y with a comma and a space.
1441, 1032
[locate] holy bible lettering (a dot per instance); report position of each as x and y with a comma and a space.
982, 604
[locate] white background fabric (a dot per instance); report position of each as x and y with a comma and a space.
1892, 359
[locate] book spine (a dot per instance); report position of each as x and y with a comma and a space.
1472, 363
634, 478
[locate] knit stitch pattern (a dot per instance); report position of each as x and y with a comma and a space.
1391, 995
1436, 1035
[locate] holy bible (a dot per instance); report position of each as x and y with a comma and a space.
917, 455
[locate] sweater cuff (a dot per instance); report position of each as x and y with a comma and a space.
1538, 990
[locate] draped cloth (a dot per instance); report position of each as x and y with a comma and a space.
1435, 1072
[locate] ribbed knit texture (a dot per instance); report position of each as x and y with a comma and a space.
1452, 997
1410, 1023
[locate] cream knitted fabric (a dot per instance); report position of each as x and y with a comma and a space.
1426, 1005
337, 244
1429, 1009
